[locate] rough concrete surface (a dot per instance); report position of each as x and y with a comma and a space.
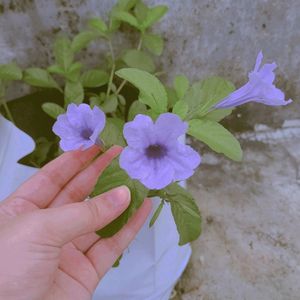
250, 245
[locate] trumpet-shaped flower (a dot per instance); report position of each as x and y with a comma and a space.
79, 127
154, 155
259, 88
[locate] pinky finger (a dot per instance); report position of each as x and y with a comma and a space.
105, 252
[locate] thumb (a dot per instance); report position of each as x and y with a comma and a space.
63, 224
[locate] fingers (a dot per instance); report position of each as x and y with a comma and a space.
83, 243
42, 187
63, 224
105, 252
82, 184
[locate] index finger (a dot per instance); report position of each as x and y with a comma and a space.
41, 188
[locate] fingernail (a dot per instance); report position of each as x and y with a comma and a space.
119, 196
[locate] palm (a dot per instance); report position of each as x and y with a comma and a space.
49, 268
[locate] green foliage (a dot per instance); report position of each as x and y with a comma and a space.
10, 72
216, 137
153, 15
136, 108
81, 40
154, 43
99, 26
73, 93
63, 52
185, 212
139, 59
113, 177
203, 95
113, 133
40, 78
94, 78
156, 213
52, 109
180, 108
218, 114
181, 85
152, 91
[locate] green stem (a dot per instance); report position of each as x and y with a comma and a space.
112, 69
125, 81
9, 115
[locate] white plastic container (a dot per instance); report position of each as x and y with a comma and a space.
152, 264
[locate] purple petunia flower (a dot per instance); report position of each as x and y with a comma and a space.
154, 155
259, 88
79, 127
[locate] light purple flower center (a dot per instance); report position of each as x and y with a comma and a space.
86, 133
156, 151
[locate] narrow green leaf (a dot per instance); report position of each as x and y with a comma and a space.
156, 213
117, 262
39, 77
154, 15
139, 60
172, 97
112, 177
181, 85
154, 93
154, 43
180, 108
140, 11
73, 72
113, 133
56, 69
94, 78
126, 17
216, 137
10, 72
202, 96
52, 109
74, 93
185, 212
82, 40
218, 114
63, 52
98, 25
136, 108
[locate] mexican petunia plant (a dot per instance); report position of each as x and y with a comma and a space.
124, 103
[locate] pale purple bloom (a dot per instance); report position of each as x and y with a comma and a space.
79, 127
154, 155
259, 88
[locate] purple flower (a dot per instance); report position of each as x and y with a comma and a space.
79, 127
154, 155
259, 88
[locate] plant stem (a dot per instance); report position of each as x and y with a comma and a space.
9, 115
112, 69
125, 81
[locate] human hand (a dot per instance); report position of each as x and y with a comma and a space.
48, 245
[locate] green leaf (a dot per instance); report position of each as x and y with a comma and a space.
10, 72
172, 97
52, 109
110, 105
98, 25
56, 70
180, 108
154, 14
181, 85
202, 96
139, 60
216, 137
94, 78
140, 11
112, 177
218, 114
82, 40
73, 93
117, 262
153, 92
73, 72
185, 212
39, 77
136, 108
156, 213
126, 17
154, 43
63, 52
125, 5
113, 133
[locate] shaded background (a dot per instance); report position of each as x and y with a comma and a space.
250, 245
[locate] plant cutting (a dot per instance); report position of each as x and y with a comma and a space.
124, 102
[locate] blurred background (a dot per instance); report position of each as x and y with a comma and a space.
250, 247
